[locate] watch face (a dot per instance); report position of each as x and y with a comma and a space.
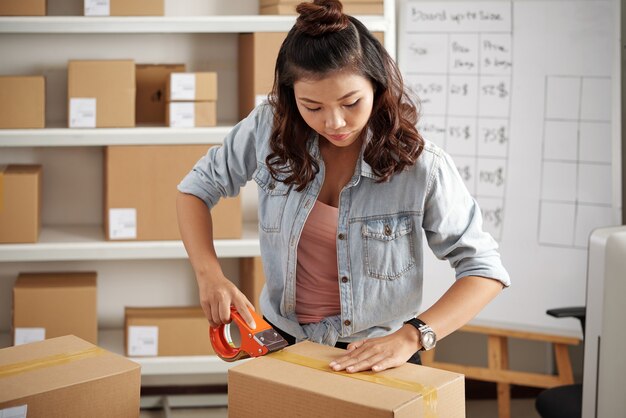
428, 340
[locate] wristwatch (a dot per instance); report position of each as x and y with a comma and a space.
428, 338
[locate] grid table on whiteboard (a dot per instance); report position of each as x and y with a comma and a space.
457, 59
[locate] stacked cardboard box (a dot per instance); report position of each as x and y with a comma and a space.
23, 8
124, 7
257, 61
140, 193
67, 377
47, 305
351, 7
151, 83
101, 94
171, 331
22, 102
191, 100
20, 203
298, 378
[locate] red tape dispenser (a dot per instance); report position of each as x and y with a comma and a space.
235, 343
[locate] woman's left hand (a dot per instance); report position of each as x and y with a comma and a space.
381, 353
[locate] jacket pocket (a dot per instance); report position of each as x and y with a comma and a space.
272, 200
388, 247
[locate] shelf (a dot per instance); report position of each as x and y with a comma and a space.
162, 24
156, 135
73, 243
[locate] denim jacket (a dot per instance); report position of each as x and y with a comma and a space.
382, 229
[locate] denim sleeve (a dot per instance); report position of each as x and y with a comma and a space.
226, 168
453, 225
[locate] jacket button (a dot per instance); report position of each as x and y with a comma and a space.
347, 322
341, 236
344, 279
271, 186
387, 230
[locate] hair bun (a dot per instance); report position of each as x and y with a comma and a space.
321, 16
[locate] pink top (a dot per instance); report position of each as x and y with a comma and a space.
317, 286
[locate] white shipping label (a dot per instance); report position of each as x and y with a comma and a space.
97, 7
14, 412
83, 112
259, 99
123, 223
182, 86
143, 340
182, 115
29, 335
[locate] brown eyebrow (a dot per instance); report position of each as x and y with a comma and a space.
305, 99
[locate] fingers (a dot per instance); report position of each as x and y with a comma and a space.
377, 354
243, 309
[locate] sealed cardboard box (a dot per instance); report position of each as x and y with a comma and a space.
67, 377
150, 101
47, 305
124, 7
140, 193
191, 114
101, 94
20, 203
22, 102
257, 60
23, 8
298, 378
171, 331
190, 87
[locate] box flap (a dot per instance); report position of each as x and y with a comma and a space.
69, 279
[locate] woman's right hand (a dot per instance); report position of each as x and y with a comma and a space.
217, 294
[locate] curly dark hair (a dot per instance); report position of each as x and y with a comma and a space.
322, 41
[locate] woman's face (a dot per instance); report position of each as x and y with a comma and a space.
337, 107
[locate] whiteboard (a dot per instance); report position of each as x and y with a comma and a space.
520, 94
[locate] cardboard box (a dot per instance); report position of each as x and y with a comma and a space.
172, 331
140, 193
20, 203
124, 7
191, 114
23, 7
150, 101
101, 94
67, 377
314, 390
192, 87
47, 305
362, 8
22, 102
257, 61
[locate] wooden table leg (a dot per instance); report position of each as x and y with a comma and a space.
563, 363
498, 352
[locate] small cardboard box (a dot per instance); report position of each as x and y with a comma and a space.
150, 101
20, 203
140, 193
23, 8
47, 305
124, 7
67, 377
101, 94
171, 331
191, 114
22, 102
298, 378
192, 87
257, 61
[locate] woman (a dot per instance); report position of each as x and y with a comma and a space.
346, 187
